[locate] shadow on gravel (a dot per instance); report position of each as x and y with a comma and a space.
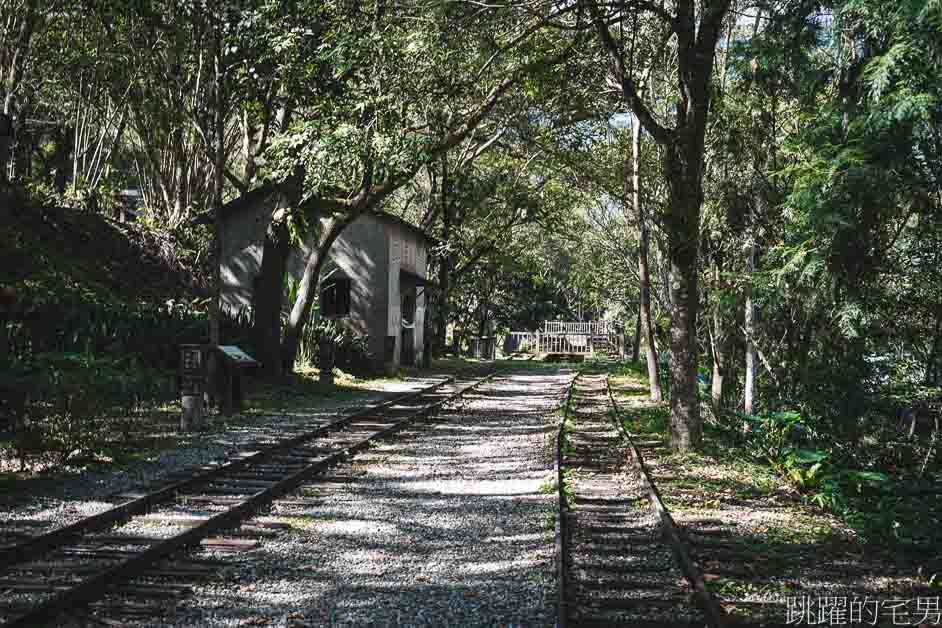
450, 525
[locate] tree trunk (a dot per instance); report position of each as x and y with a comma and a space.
644, 301
7, 303
427, 333
719, 345
750, 326
636, 343
6, 144
686, 428
441, 311
933, 369
683, 224
248, 149
719, 364
446, 262
219, 162
307, 289
62, 157
180, 171
267, 299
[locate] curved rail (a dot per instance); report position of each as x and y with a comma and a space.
54, 539
244, 486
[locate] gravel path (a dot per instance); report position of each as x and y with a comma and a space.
92, 492
448, 525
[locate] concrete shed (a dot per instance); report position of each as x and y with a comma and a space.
374, 280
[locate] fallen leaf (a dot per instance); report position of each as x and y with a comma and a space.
711, 577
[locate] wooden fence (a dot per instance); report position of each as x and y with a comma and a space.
541, 343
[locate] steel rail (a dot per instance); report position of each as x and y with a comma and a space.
562, 516
714, 614
95, 587
54, 539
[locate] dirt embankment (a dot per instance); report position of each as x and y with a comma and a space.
69, 246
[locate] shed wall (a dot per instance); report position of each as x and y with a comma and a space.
407, 251
359, 253
371, 252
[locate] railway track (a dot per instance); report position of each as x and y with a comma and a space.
621, 567
625, 561
124, 562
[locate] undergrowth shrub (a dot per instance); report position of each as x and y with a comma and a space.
852, 482
71, 401
351, 350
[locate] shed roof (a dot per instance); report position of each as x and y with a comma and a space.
262, 193
396, 220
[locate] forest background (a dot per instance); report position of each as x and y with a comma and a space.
750, 187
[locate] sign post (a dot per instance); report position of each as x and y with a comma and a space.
232, 391
192, 385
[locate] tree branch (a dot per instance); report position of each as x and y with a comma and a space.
630, 92
710, 23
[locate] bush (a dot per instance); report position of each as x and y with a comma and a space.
351, 351
69, 396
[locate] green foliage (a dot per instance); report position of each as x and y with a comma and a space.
92, 337
351, 351
849, 483
78, 321
69, 395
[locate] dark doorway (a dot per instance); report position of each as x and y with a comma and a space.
407, 352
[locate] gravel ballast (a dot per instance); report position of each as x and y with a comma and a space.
450, 524
91, 492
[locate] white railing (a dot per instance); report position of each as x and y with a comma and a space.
567, 338
595, 328
541, 343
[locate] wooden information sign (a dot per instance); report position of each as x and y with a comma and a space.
237, 355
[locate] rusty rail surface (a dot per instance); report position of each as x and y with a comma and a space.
715, 615
277, 483
562, 515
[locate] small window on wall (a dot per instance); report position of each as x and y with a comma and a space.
335, 298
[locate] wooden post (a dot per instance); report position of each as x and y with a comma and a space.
193, 385
192, 412
326, 360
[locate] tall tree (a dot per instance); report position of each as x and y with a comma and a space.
644, 276
377, 138
697, 27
